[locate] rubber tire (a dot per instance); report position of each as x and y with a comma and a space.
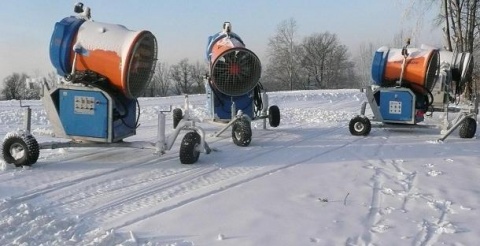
188, 152
25, 145
242, 132
274, 116
360, 126
177, 115
468, 128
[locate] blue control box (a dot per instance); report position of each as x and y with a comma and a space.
84, 113
397, 105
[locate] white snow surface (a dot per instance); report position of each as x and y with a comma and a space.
306, 182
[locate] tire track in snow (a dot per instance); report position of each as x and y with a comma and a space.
61, 185
39, 167
77, 198
166, 190
216, 190
66, 182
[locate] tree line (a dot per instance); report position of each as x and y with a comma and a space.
316, 61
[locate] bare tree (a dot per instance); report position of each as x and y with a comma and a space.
326, 61
283, 52
14, 86
461, 27
363, 63
197, 73
160, 84
185, 78
462, 31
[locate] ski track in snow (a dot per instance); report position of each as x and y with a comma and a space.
95, 200
257, 173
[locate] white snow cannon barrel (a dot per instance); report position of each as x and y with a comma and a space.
126, 58
234, 69
461, 65
419, 73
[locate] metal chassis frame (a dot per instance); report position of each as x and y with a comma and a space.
239, 115
162, 144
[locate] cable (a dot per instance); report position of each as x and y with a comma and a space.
122, 118
257, 98
428, 95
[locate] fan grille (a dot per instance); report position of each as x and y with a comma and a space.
236, 71
141, 65
432, 69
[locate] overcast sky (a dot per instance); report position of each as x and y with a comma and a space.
182, 26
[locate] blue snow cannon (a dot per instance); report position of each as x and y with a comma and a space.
234, 94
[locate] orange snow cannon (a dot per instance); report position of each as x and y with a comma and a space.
124, 57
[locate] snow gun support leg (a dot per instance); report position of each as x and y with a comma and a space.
466, 120
27, 118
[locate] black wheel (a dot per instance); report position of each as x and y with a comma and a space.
468, 128
177, 115
274, 116
242, 132
360, 126
20, 149
188, 149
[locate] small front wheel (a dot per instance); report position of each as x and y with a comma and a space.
189, 148
242, 132
468, 128
360, 126
20, 149
274, 116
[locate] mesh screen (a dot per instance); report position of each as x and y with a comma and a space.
141, 65
432, 70
236, 72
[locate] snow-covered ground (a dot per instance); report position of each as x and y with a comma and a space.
307, 182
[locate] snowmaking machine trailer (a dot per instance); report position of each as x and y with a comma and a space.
411, 83
234, 94
105, 68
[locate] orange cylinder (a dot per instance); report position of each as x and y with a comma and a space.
223, 45
125, 57
420, 66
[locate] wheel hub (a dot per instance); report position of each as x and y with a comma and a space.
358, 126
17, 151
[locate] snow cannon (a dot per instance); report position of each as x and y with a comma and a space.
234, 69
104, 69
411, 83
234, 92
124, 57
